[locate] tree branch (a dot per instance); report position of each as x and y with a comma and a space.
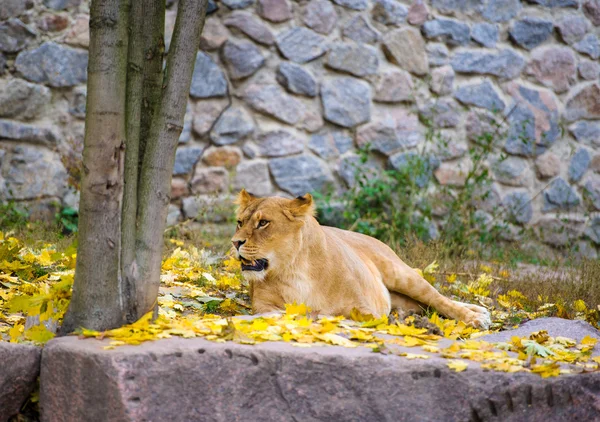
167, 122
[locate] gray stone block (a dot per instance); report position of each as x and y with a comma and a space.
480, 95
450, 31
241, 58
360, 30
346, 101
531, 32
233, 125
193, 379
485, 34
300, 174
301, 45
505, 63
560, 195
357, 59
389, 12
53, 64
297, 80
20, 369
501, 10
589, 45
208, 80
518, 205
330, 143
15, 36
275, 102
579, 164
185, 159
22, 100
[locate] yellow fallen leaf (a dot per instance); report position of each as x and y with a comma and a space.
457, 365
589, 341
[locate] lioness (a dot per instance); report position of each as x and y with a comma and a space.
289, 257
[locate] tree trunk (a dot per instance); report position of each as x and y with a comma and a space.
127, 183
97, 300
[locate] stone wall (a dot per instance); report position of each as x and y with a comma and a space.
284, 93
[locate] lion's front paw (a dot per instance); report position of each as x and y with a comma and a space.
479, 320
478, 316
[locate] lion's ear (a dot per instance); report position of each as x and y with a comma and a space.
244, 198
302, 205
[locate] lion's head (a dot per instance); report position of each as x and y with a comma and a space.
268, 233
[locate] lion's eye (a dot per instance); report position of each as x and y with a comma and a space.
239, 223
262, 223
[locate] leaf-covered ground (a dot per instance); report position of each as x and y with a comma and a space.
201, 295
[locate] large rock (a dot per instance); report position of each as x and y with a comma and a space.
346, 101
301, 174
214, 34
583, 103
320, 16
592, 191
593, 230
437, 54
442, 113
512, 171
589, 45
301, 45
531, 32
572, 28
442, 80
586, 132
242, 59
61, 4
588, 70
208, 80
389, 12
579, 164
330, 143
518, 205
556, 3
22, 100
22, 170
274, 10
485, 34
384, 137
394, 86
505, 63
15, 36
591, 8
297, 80
186, 159
533, 121
20, 369
360, 30
561, 230
276, 143
559, 195
220, 379
206, 113
254, 177
553, 67
357, 59
480, 95
12, 8
251, 26
450, 31
79, 33
15, 131
547, 165
233, 125
500, 10
353, 4
209, 180
53, 64
406, 48
226, 156
275, 102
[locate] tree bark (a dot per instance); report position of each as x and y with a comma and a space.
167, 123
96, 300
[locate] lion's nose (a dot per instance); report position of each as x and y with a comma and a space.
238, 243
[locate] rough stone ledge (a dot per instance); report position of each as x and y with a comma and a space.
194, 379
20, 367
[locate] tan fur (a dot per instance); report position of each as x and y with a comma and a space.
329, 269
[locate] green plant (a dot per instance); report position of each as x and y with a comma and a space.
67, 219
401, 203
12, 215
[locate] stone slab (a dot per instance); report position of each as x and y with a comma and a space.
19, 370
193, 379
